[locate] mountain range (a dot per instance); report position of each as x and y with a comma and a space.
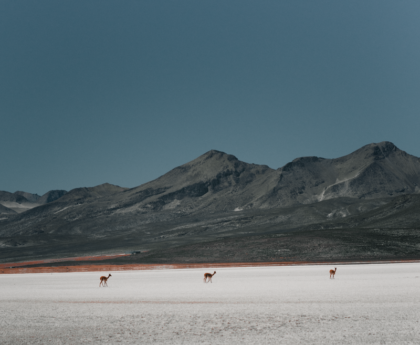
217, 197
19, 201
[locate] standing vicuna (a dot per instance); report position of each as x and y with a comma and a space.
332, 272
208, 276
104, 280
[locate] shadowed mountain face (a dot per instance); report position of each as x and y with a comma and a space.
28, 196
51, 196
216, 195
12, 197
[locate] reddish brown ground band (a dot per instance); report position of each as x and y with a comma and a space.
135, 267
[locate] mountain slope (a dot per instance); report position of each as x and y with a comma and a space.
28, 196
217, 181
374, 171
399, 212
22, 201
51, 196
17, 201
12, 197
217, 195
5, 210
214, 181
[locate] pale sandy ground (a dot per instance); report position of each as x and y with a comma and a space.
365, 304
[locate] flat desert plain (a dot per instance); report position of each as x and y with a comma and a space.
364, 304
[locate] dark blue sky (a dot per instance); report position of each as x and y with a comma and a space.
124, 91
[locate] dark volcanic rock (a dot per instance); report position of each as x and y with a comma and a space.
51, 196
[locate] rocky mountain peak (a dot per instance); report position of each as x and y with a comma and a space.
377, 150
300, 163
51, 196
217, 156
28, 196
383, 149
